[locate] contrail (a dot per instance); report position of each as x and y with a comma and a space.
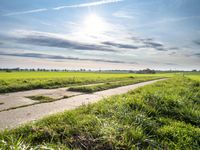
26, 12
103, 2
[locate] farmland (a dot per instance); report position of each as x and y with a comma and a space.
194, 76
163, 115
19, 81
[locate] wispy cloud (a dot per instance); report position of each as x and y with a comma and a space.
122, 14
197, 42
172, 53
174, 48
155, 45
26, 12
59, 57
102, 2
150, 43
196, 54
120, 45
55, 40
168, 20
69, 42
96, 3
170, 64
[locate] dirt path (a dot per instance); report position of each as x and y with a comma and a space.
13, 118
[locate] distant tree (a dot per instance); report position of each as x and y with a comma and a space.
131, 71
8, 70
146, 71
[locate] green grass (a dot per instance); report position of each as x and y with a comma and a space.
164, 115
41, 98
45, 99
46, 75
19, 81
194, 76
109, 85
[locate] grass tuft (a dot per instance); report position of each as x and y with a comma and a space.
41, 98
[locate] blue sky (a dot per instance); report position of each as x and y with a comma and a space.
100, 34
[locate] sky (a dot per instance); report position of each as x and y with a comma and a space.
100, 34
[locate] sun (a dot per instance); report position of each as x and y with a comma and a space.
93, 24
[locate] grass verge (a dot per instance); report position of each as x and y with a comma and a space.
164, 115
13, 85
110, 85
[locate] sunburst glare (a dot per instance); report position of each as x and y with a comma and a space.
94, 24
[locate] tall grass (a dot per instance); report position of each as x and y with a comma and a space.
164, 115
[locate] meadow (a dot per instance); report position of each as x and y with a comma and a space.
163, 115
20, 81
193, 75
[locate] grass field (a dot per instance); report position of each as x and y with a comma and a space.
194, 76
19, 81
43, 75
164, 115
